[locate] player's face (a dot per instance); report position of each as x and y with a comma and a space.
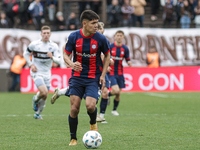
119, 37
45, 35
101, 30
91, 26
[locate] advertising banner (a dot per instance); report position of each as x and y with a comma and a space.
176, 47
139, 79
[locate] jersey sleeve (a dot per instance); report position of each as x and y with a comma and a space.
105, 46
56, 51
31, 47
56, 54
70, 44
127, 56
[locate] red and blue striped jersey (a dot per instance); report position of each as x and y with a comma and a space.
117, 54
87, 51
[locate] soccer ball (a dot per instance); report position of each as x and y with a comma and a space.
92, 139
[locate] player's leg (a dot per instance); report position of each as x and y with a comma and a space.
58, 92
121, 84
116, 91
104, 101
76, 93
90, 103
92, 93
73, 117
103, 105
43, 92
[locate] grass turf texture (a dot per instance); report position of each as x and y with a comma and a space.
147, 121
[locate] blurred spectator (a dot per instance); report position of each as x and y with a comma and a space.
153, 59
114, 13
127, 10
185, 15
95, 5
72, 22
82, 6
192, 4
4, 21
139, 11
155, 4
36, 10
59, 23
51, 8
168, 14
197, 15
16, 67
8, 9
178, 9
66, 9
23, 11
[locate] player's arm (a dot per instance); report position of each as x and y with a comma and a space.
26, 55
56, 56
69, 56
127, 57
74, 65
105, 66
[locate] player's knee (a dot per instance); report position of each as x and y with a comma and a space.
44, 94
105, 93
90, 108
116, 92
74, 111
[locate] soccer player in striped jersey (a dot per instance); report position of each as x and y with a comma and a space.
104, 99
119, 51
44, 53
88, 71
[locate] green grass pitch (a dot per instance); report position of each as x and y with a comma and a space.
147, 121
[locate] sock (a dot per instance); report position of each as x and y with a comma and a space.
103, 105
62, 91
93, 116
37, 96
116, 103
73, 123
41, 104
109, 94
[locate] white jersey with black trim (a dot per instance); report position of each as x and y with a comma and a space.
40, 58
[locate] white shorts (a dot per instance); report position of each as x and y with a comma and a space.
41, 80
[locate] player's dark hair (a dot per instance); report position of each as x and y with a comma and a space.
45, 28
89, 15
120, 31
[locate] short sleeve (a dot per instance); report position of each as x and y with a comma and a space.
70, 44
105, 46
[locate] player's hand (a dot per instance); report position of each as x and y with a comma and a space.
111, 62
129, 63
50, 55
109, 69
102, 82
77, 66
33, 68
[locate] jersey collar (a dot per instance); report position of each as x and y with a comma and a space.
118, 46
81, 30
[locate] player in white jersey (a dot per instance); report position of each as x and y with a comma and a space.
44, 53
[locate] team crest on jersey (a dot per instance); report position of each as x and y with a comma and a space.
50, 48
94, 46
122, 52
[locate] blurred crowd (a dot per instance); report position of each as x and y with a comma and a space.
20, 13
